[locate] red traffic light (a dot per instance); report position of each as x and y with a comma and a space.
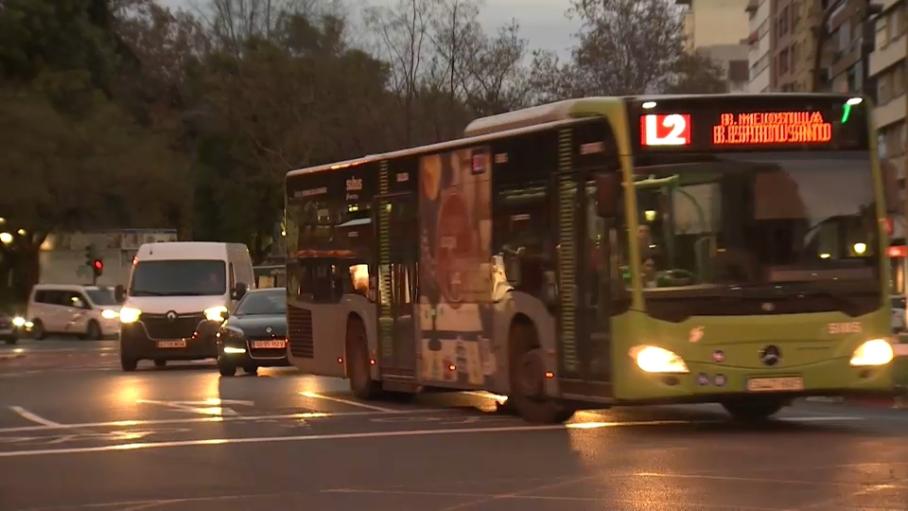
97, 265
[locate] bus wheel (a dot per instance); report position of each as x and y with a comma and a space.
752, 410
358, 367
527, 375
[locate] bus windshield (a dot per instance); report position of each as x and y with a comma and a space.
179, 278
757, 219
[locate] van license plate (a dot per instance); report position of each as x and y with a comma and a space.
783, 384
269, 345
172, 344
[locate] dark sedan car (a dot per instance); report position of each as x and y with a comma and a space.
255, 335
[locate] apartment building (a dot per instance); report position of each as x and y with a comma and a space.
759, 48
888, 68
718, 30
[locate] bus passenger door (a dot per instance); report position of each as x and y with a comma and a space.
397, 235
595, 292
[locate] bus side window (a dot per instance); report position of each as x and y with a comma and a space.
521, 224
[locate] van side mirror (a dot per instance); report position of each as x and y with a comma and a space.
890, 188
608, 193
120, 293
239, 291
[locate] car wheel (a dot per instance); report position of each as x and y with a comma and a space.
38, 332
92, 331
128, 364
253, 370
160, 363
226, 368
358, 366
753, 410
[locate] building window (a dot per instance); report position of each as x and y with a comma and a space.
845, 36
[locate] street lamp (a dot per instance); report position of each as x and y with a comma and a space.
6, 238
21, 232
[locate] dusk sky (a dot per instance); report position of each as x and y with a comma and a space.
543, 21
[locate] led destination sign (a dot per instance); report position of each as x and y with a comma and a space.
755, 128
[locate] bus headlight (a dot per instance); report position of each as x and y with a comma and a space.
129, 315
19, 322
875, 352
215, 313
653, 359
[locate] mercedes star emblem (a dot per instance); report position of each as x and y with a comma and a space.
771, 355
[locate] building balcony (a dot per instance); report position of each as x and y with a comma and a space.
892, 112
882, 58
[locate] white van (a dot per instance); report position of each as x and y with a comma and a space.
178, 294
90, 312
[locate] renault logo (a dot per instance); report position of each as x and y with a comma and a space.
771, 355
171, 316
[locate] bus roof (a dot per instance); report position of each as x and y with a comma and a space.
542, 117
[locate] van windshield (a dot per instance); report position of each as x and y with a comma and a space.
179, 278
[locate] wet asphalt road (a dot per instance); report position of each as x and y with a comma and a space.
76, 433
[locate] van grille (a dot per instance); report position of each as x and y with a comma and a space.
182, 327
299, 329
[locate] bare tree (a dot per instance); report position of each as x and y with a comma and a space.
232, 23
403, 32
626, 46
496, 76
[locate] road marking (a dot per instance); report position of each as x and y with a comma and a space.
25, 414
142, 504
316, 395
554, 498
347, 436
796, 482
242, 418
213, 406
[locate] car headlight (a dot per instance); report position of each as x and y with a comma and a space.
19, 322
875, 352
110, 314
129, 315
230, 350
654, 359
215, 313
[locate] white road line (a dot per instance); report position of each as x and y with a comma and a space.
345, 436
486, 497
25, 414
316, 395
823, 418
244, 418
794, 482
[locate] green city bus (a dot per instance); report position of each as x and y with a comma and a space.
604, 251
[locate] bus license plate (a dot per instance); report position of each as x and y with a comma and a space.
172, 344
783, 384
269, 345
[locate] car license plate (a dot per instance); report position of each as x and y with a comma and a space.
781, 384
172, 344
266, 345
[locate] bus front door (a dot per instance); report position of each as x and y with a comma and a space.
397, 235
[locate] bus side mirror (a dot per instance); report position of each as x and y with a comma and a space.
239, 291
890, 188
608, 191
120, 293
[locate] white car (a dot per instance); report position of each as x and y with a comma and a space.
90, 312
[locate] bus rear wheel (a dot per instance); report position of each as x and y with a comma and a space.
527, 375
358, 366
753, 410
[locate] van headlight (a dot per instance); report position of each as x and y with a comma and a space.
653, 359
110, 314
19, 322
129, 315
215, 313
875, 352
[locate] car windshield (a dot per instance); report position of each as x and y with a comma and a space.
259, 303
101, 296
758, 219
179, 278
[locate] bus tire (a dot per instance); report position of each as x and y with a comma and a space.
358, 366
753, 410
527, 379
